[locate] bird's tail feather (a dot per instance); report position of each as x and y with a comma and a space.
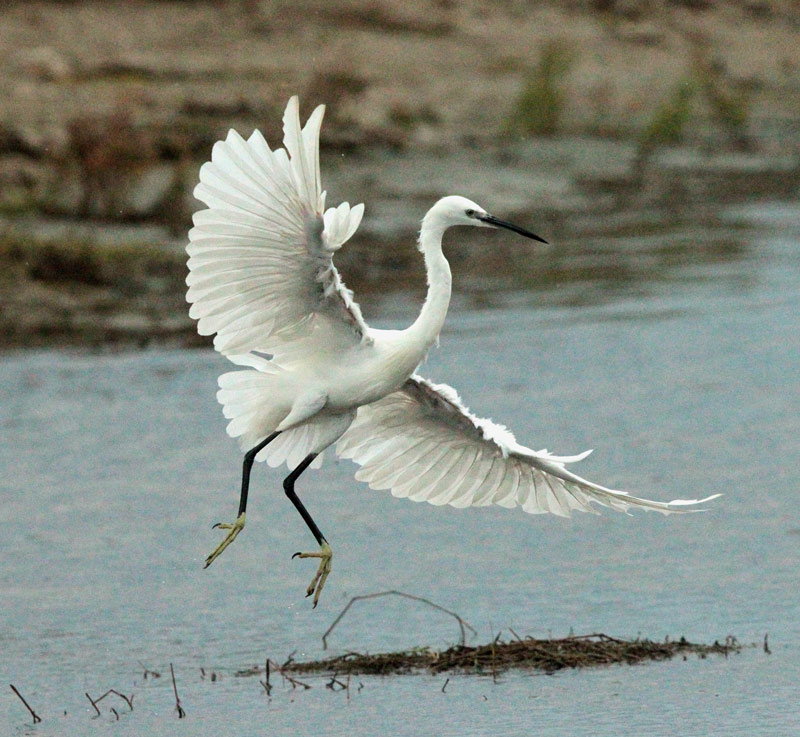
255, 402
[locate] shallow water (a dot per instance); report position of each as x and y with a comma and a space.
685, 381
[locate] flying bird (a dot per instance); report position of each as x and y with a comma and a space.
313, 373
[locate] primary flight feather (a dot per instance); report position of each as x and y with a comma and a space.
262, 280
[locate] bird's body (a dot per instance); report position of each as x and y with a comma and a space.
313, 373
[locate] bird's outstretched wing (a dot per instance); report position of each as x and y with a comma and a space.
423, 443
261, 270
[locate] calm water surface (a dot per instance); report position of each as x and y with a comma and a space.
685, 381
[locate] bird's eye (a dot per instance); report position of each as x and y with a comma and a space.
470, 213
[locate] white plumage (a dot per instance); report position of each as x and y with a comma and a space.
261, 277
422, 443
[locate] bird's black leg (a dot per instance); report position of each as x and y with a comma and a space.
238, 525
247, 466
325, 553
288, 487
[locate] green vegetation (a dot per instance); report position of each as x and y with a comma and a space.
729, 106
668, 123
540, 105
727, 103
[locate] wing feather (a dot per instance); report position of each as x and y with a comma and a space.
381, 472
484, 494
436, 475
450, 491
471, 484
506, 493
423, 443
261, 275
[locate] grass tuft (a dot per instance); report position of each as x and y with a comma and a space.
540, 106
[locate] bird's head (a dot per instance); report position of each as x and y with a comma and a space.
455, 210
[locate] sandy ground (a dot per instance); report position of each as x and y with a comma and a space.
111, 106
450, 70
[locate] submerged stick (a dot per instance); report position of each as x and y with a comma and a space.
265, 683
178, 707
148, 672
295, 682
128, 701
461, 622
36, 717
94, 702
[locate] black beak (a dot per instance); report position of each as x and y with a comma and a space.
498, 223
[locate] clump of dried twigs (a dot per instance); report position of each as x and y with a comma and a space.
550, 655
527, 653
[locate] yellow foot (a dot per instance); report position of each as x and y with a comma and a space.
326, 554
235, 529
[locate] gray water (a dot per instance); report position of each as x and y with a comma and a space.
685, 382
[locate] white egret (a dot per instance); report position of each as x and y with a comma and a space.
262, 279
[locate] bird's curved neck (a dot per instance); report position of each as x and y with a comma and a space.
425, 329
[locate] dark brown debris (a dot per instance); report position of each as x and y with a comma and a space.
549, 655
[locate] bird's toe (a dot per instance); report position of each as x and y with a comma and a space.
325, 555
234, 528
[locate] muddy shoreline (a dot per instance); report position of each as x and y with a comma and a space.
582, 120
96, 284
